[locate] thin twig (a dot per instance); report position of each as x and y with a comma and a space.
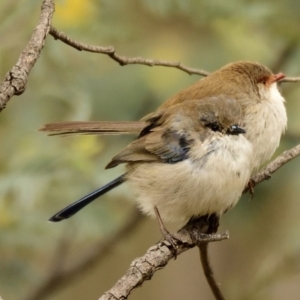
208, 272
206, 265
122, 60
16, 79
290, 79
59, 35
273, 166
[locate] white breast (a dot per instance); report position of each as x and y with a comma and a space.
211, 181
265, 122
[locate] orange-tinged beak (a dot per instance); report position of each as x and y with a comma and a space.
277, 77
274, 78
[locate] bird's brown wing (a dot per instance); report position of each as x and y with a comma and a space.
96, 127
158, 145
169, 133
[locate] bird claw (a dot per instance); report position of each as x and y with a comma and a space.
250, 187
173, 241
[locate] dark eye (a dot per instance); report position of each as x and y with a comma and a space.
214, 126
263, 80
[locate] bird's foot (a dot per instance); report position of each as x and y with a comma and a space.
172, 240
250, 187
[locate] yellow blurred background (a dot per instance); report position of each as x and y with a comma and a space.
39, 175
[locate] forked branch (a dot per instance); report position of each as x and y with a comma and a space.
16, 79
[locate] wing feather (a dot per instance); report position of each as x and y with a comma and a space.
159, 145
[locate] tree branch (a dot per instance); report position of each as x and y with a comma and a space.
273, 166
143, 268
208, 272
207, 268
16, 79
290, 79
122, 60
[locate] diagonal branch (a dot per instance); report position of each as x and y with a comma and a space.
158, 256
16, 79
122, 60
273, 166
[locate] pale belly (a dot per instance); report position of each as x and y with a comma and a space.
210, 181
265, 123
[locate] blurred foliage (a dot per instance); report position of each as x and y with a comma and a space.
39, 175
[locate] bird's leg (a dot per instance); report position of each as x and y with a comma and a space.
250, 187
166, 234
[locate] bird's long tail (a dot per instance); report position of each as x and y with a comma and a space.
75, 207
94, 127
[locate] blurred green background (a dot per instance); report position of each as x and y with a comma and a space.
39, 175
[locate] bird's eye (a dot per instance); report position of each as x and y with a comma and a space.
263, 80
214, 126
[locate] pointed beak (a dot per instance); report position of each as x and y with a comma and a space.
276, 77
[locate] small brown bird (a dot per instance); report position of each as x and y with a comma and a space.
192, 160
192, 157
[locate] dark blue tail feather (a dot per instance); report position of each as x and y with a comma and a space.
75, 207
